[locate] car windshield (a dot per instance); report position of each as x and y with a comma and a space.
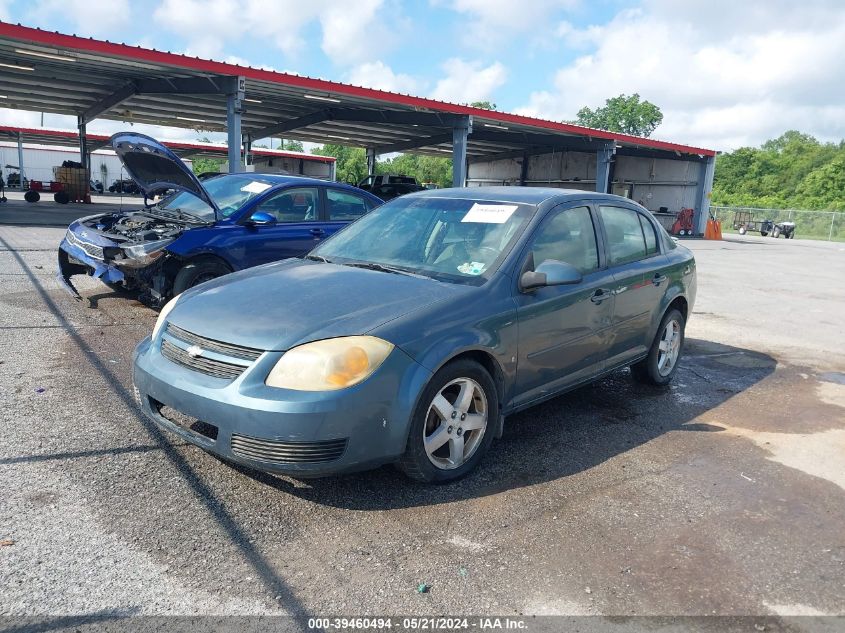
445, 238
229, 193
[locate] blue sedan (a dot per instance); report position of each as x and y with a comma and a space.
202, 230
410, 335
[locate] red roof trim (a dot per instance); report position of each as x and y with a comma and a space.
137, 53
171, 144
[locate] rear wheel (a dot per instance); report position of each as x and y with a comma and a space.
61, 197
195, 273
742, 230
452, 427
659, 367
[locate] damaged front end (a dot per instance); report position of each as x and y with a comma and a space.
124, 250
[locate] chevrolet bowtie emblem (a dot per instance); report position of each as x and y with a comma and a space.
194, 351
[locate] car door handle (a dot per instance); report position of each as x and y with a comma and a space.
600, 295
658, 279
316, 232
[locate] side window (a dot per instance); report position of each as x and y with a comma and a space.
650, 236
625, 239
344, 205
292, 205
569, 237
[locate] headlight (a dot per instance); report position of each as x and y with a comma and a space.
144, 254
162, 316
330, 364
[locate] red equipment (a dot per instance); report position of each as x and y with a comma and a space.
683, 223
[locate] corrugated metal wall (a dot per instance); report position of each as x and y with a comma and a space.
652, 182
39, 161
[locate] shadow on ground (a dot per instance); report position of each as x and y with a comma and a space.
561, 437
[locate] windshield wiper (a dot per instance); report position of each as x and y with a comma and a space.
318, 258
181, 215
385, 269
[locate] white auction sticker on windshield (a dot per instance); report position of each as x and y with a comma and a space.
255, 187
490, 213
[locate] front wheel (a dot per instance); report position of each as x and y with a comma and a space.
776, 233
453, 425
195, 273
742, 230
659, 367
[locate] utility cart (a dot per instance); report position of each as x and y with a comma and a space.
744, 221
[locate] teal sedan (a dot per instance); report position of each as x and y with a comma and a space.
409, 336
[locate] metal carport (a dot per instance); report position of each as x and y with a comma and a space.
52, 72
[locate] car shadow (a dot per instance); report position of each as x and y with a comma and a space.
560, 438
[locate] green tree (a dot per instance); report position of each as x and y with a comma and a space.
434, 169
292, 145
793, 170
484, 105
624, 114
351, 161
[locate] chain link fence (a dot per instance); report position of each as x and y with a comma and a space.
813, 225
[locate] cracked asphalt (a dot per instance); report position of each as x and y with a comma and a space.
724, 494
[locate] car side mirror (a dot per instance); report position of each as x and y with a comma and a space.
261, 218
550, 273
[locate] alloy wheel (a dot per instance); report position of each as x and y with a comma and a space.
669, 347
455, 423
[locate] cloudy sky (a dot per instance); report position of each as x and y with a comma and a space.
726, 73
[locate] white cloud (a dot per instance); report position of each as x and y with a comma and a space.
489, 22
98, 18
725, 74
4, 10
349, 34
467, 81
379, 75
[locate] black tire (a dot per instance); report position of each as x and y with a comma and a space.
764, 233
776, 233
195, 273
32, 196
415, 463
742, 230
647, 370
61, 197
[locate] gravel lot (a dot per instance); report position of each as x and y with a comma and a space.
724, 494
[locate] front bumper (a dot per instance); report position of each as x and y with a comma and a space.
73, 260
295, 432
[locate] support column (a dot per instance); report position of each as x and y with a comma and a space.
371, 161
234, 107
604, 158
333, 171
460, 132
20, 160
523, 170
83, 143
702, 194
247, 141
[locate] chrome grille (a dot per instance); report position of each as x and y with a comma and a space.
92, 250
227, 349
209, 366
287, 452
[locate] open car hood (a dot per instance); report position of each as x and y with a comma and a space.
153, 166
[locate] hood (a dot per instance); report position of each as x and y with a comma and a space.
281, 305
153, 166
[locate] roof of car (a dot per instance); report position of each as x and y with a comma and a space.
521, 195
282, 179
